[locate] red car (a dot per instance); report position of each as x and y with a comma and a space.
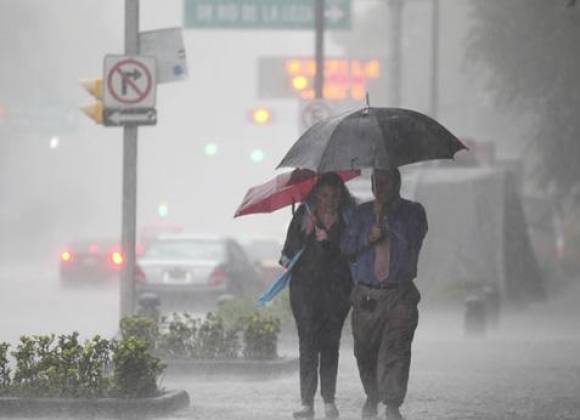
90, 261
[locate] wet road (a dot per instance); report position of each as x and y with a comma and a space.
528, 368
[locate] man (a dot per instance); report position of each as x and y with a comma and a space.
383, 239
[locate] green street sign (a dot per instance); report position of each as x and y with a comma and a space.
264, 14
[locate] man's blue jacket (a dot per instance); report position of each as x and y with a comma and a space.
406, 225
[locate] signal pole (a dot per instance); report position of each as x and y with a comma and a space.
319, 48
434, 108
396, 61
129, 210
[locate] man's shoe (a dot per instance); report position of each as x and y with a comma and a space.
330, 411
393, 413
306, 412
369, 410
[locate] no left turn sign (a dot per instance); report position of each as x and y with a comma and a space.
130, 82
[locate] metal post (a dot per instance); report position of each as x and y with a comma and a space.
129, 219
434, 108
396, 61
319, 48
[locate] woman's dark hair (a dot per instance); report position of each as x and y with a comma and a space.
331, 179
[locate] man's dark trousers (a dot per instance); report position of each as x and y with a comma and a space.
383, 323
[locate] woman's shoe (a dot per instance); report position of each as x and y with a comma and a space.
330, 411
393, 413
370, 410
306, 412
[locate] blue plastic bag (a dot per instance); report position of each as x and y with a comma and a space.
280, 283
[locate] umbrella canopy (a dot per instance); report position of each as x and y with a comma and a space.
381, 138
283, 190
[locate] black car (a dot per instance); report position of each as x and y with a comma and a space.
93, 261
196, 266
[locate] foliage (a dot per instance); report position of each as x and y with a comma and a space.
531, 50
235, 310
95, 364
216, 338
261, 336
135, 369
46, 367
141, 327
49, 366
180, 331
210, 338
5, 370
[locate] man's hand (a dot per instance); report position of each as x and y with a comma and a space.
375, 234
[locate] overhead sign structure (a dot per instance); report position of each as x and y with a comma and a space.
264, 14
166, 45
345, 78
130, 82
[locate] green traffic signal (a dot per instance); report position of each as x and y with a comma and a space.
163, 210
211, 149
257, 155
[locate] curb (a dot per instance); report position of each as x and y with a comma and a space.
240, 367
117, 407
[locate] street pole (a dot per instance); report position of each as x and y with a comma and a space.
396, 61
319, 48
129, 218
434, 108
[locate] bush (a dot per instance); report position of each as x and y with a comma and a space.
235, 310
180, 332
215, 338
216, 341
5, 371
261, 336
144, 328
94, 367
63, 367
135, 369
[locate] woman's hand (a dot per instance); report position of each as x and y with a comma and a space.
321, 234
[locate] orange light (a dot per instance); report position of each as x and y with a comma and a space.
261, 116
66, 256
299, 82
310, 67
117, 258
293, 66
373, 69
358, 91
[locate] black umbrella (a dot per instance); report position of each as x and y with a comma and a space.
381, 138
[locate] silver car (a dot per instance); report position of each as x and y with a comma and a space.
197, 266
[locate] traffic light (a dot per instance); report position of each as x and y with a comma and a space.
163, 209
299, 83
95, 88
261, 116
210, 149
257, 155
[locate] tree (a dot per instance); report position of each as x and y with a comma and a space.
531, 49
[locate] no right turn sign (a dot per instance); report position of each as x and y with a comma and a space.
129, 82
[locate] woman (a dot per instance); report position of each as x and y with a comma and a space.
320, 288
